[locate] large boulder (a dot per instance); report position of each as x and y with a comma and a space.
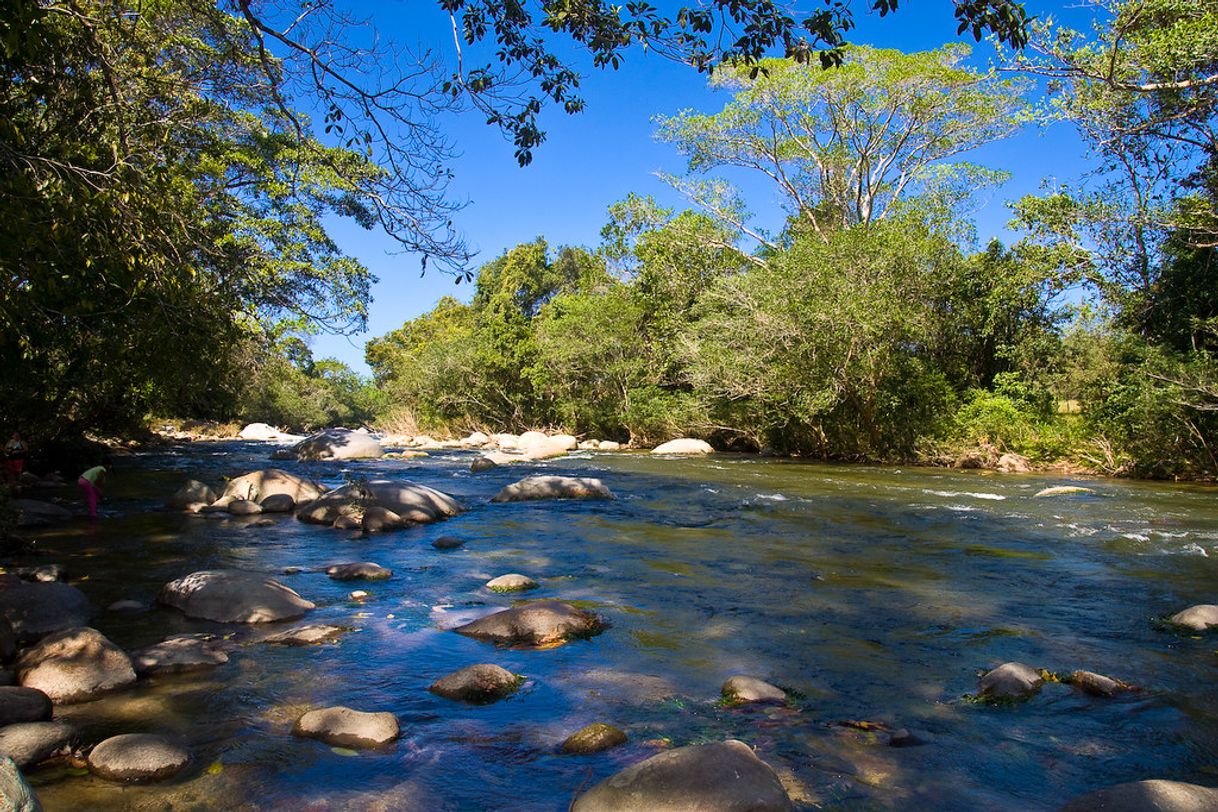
28, 743
233, 596
1010, 681
1155, 795
480, 684
553, 487
15, 792
408, 500
23, 705
193, 492
35, 513
724, 777
178, 654
683, 445
137, 757
75, 665
258, 485
338, 444
344, 727
261, 431
539, 624
1198, 618
37, 609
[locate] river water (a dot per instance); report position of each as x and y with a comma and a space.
869, 594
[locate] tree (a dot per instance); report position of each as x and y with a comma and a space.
847, 146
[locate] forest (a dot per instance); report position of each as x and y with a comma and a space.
165, 250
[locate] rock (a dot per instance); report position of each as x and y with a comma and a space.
349, 522
278, 503
126, 606
257, 486
362, 570
37, 609
553, 487
482, 683
540, 623
23, 705
742, 689
683, 445
493, 459
177, 655
193, 492
261, 431
1198, 618
1097, 684
475, 440
233, 596
44, 574
506, 442
448, 543
1013, 464
909, 738
589, 445
547, 449
565, 441
511, 582
725, 777
532, 439
15, 792
338, 444
378, 519
35, 513
594, 738
1010, 681
28, 743
311, 635
410, 501
75, 665
1063, 490
1155, 795
609, 445
343, 727
137, 757
244, 507
358, 595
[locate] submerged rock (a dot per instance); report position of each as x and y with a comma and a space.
537, 624
38, 609
1155, 795
726, 776
311, 635
28, 743
512, 582
177, 655
75, 665
233, 596
448, 543
1010, 681
742, 689
594, 738
362, 570
1198, 618
137, 757
23, 705
344, 727
553, 487
480, 684
1097, 684
683, 445
493, 459
338, 444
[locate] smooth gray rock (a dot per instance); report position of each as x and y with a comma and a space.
741, 689
233, 596
723, 777
177, 655
75, 665
338, 444
1198, 618
594, 738
258, 486
359, 571
537, 624
1010, 681
137, 757
553, 487
19, 704
192, 493
344, 727
38, 609
479, 684
1155, 795
15, 792
28, 743
512, 582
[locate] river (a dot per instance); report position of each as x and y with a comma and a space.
869, 594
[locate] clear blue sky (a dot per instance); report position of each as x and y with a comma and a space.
597, 157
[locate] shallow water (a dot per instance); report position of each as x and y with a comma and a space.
872, 594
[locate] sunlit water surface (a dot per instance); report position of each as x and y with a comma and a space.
870, 594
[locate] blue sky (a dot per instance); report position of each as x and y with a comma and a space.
597, 157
